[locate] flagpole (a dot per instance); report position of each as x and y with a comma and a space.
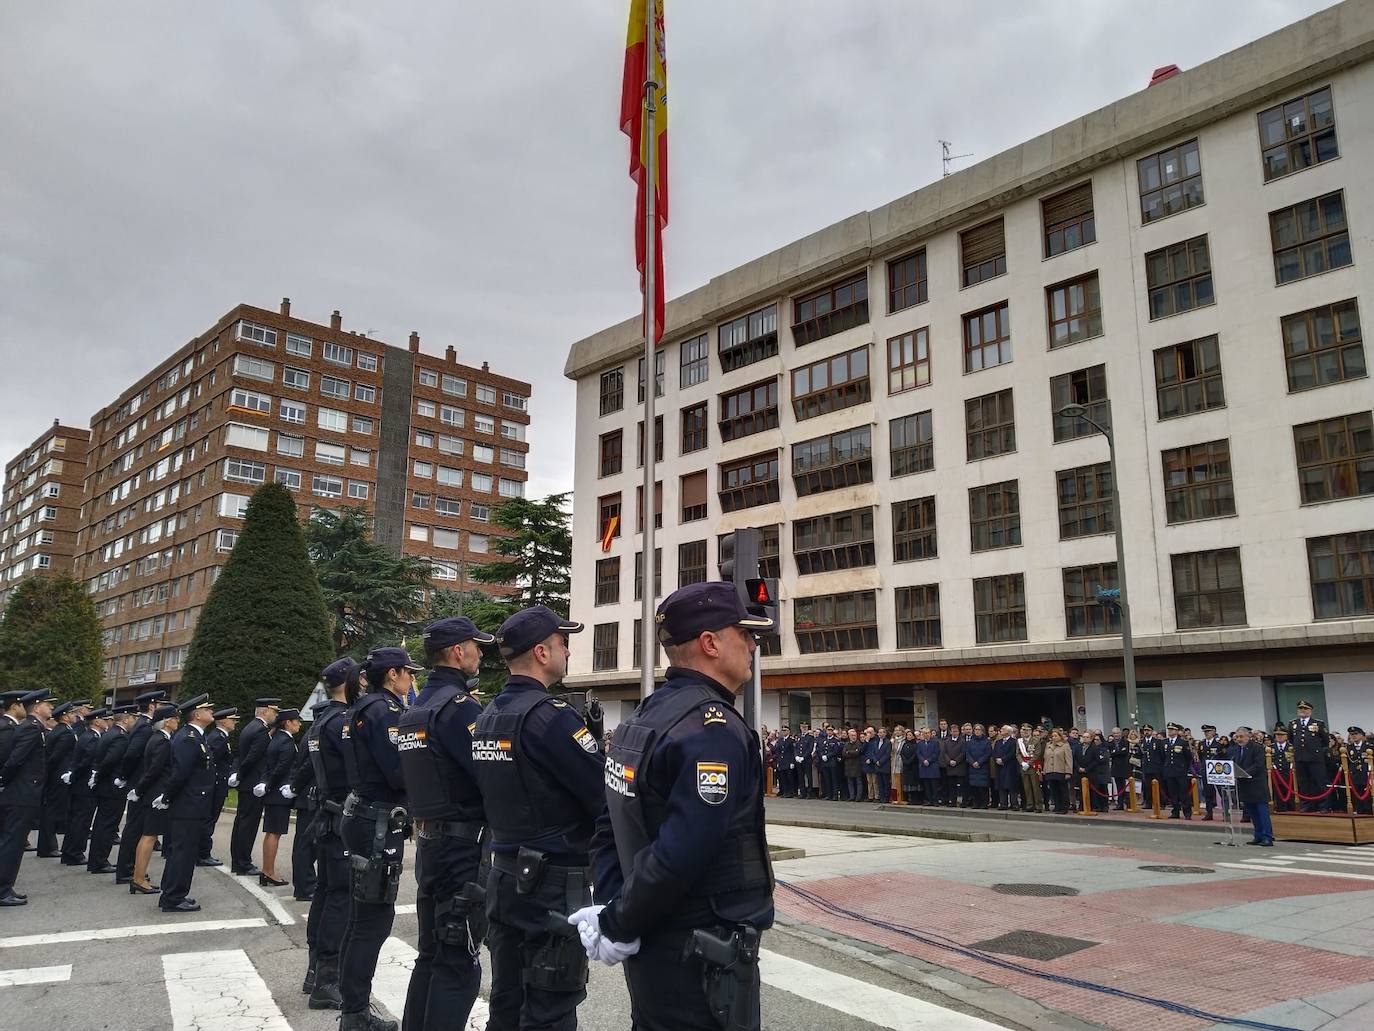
648, 641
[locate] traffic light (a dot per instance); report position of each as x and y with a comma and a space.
762, 596
738, 559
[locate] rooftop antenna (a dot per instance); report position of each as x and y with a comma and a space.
946, 157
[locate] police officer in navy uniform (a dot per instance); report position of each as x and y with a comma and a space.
1208, 748
680, 856
1356, 758
1282, 759
156, 768
328, 917
110, 796
130, 771
248, 768
374, 826
1177, 762
1311, 743
300, 790
217, 741
21, 790
277, 804
540, 772
806, 752
58, 749
1151, 765
83, 800
186, 798
446, 805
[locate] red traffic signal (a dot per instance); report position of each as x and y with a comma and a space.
761, 591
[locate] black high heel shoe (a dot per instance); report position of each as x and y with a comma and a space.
266, 880
138, 889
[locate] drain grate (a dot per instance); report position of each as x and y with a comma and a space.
1039, 891
1163, 868
1034, 945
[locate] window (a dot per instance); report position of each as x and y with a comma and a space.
608, 517
450, 445
424, 409
658, 574
1074, 310
1067, 219
913, 530
748, 339
989, 426
514, 459
1323, 345
423, 439
836, 622
834, 309
749, 482
694, 433
338, 354
658, 376
983, 252
694, 360
257, 334
362, 425
418, 500
302, 347
288, 478
479, 513
1179, 278
608, 581
906, 282
908, 361
239, 470
516, 489
1085, 614
691, 563
999, 608
332, 386
357, 490
232, 506
1170, 181
1197, 482
329, 419
419, 533
250, 400
329, 454
1208, 589
226, 539
750, 410
292, 412
994, 516
605, 645
486, 395
446, 539
290, 445
359, 456
1087, 387
448, 506
612, 391
1310, 238
512, 430
912, 444
658, 441
236, 434
987, 337
831, 385
1335, 458
451, 416
836, 540
424, 470
297, 379
363, 392
449, 477
484, 453
519, 402
1298, 134
692, 492
1342, 573
1188, 378
481, 483
1085, 500
428, 378
443, 570
367, 362
918, 616
842, 459
639, 507
326, 486
459, 388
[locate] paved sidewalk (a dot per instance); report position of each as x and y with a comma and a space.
1290, 945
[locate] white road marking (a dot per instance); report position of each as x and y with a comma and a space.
269, 901
848, 995
392, 980
1367, 864
219, 991
35, 975
137, 931
1257, 866
403, 909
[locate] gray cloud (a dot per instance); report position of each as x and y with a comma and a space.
457, 169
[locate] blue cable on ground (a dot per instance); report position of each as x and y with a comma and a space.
940, 942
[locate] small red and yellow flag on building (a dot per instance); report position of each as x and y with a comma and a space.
646, 59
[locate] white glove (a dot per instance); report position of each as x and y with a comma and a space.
286, 792
132, 796
158, 803
119, 782
259, 789
588, 924
66, 777
233, 780
613, 952
91, 783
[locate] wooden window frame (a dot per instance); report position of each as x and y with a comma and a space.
1084, 614
1086, 387
989, 262
915, 535
999, 608
833, 396
660, 374
608, 506
1312, 252
1199, 390
607, 580
845, 303
693, 513
1341, 353
1335, 461
696, 428
1000, 344
1308, 142
605, 646
1175, 193
1341, 566
834, 540
639, 574
989, 425
908, 357
1204, 567
658, 441
994, 516
694, 367
612, 453
836, 622
840, 463
687, 563
1079, 514
907, 281
1178, 278
919, 457
1074, 222
1197, 482
918, 617
1066, 324
759, 343
756, 419
750, 492
612, 390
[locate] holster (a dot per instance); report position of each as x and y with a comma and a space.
727, 973
559, 962
461, 919
376, 877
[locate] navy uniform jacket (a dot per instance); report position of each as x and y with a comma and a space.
806, 748
190, 784
449, 739
1178, 758
83, 758
372, 734
326, 738
302, 777
58, 751
217, 741
157, 762
1283, 756
131, 766
1250, 758
108, 758
1310, 743
1152, 757
787, 753
281, 758
252, 753
23, 772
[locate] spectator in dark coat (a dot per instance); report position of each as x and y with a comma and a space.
1006, 769
882, 767
1119, 748
1253, 791
953, 768
928, 766
911, 774
978, 755
853, 758
1097, 766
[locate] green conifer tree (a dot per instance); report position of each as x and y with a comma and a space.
51, 637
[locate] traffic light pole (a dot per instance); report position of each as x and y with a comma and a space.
753, 699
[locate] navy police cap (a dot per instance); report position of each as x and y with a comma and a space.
200, 701
529, 627
337, 671
266, 703
166, 711
34, 697
62, 710
392, 658
150, 696
98, 714
8, 698
699, 607
231, 713
286, 714
123, 710
445, 633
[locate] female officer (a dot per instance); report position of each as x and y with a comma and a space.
374, 822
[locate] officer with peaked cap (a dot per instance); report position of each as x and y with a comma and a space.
1357, 758
110, 797
58, 749
1282, 757
217, 741
445, 802
186, 797
131, 770
300, 791
21, 791
11, 715
681, 850
156, 768
276, 772
83, 798
540, 773
252, 753
1311, 744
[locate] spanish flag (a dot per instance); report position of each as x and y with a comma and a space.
638, 54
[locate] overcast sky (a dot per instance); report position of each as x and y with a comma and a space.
456, 168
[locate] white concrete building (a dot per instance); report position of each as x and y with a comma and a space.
1192, 262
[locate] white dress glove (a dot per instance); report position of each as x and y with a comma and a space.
91, 782
233, 780
158, 803
588, 924
259, 789
613, 952
286, 792
66, 777
132, 796
119, 782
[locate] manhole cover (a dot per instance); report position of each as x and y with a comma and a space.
1156, 868
863, 835
1033, 945
1040, 891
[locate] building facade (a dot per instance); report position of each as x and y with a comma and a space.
1192, 264
41, 508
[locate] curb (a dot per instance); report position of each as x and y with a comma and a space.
909, 832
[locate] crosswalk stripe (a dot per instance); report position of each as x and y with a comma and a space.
392, 979
269, 901
35, 975
880, 1006
1365, 863
133, 931
1263, 868
219, 991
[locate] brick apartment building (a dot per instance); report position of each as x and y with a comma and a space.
41, 508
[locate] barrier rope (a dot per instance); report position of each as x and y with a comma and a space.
1325, 794
1099, 792
1281, 787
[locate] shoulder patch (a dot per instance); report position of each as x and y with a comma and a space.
558, 703
583, 737
472, 727
713, 782
392, 734
713, 714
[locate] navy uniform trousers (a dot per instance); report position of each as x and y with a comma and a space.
446, 978
369, 923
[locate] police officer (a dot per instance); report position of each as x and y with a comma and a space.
156, 768
374, 826
680, 858
186, 797
60, 745
1208, 748
827, 761
787, 762
446, 805
276, 772
130, 771
324, 928
806, 754
1177, 761
1151, 765
540, 771
1311, 743
1282, 759
217, 741
1358, 761
110, 795
248, 767
300, 789
83, 800
21, 791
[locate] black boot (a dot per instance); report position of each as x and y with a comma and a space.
325, 995
308, 985
365, 1021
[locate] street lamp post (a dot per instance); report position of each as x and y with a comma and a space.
1077, 411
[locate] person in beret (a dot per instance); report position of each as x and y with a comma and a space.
57, 749
1311, 742
276, 770
681, 845
83, 800
110, 798
540, 772
21, 791
222, 752
248, 769
156, 768
186, 798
